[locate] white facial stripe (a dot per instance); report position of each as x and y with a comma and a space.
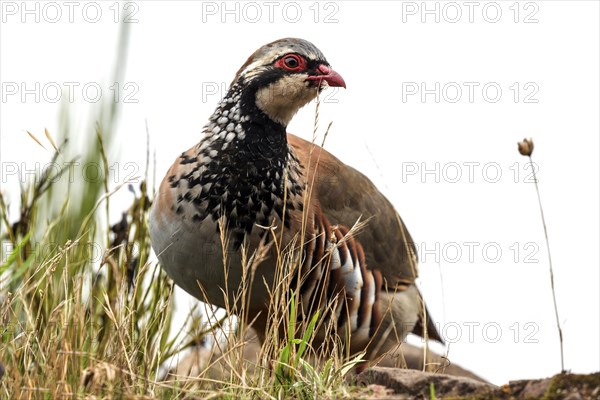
269, 58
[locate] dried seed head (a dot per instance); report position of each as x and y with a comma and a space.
526, 147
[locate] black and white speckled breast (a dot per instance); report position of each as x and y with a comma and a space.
242, 169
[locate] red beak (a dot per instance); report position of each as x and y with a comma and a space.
324, 73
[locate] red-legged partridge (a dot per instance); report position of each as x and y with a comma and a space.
248, 174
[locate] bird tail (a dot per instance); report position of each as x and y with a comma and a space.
425, 320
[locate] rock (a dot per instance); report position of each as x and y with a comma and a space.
409, 356
562, 386
200, 358
418, 384
399, 383
411, 384
534, 388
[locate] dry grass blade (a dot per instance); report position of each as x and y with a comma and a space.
31, 135
49, 137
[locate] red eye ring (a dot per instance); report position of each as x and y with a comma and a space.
291, 62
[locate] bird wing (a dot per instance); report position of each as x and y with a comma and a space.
346, 196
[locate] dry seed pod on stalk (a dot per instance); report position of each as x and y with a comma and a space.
526, 147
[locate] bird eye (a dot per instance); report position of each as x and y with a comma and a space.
291, 62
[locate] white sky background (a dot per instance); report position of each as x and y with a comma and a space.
179, 51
